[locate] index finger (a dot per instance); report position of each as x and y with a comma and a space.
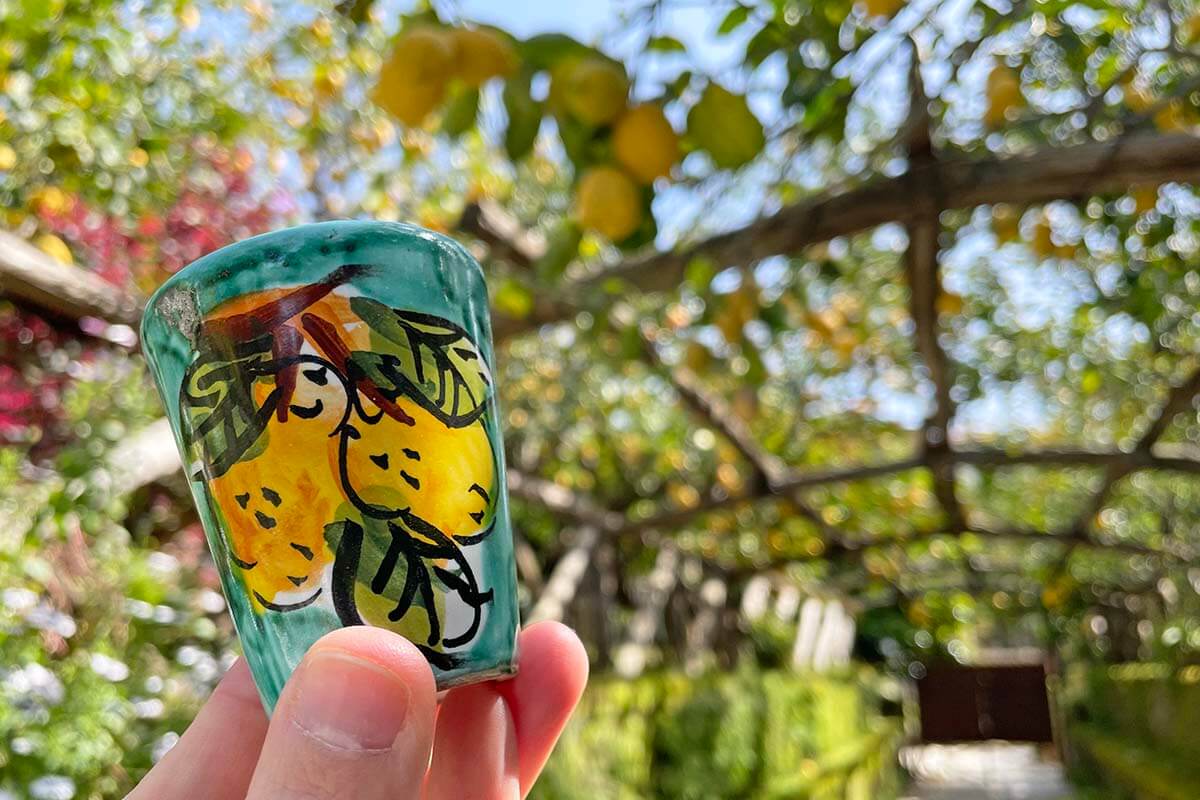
494, 738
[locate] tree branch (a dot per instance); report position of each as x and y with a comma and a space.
715, 413
996, 457
1175, 460
925, 287
859, 550
506, 239
786, 486
565, 502
1179, 399
151, 455
1048, 174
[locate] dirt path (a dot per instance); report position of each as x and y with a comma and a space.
993, 771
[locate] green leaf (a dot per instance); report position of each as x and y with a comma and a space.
1108, 69
372, 540
646, 232
561, 248
397, 574
547, 49
460, 113
428, 359
665, 44
733, 20
576, 140
222, 419
763, 44
513, 298
524, 117
700, 272
822, 110
677, 87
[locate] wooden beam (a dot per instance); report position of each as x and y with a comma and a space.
1052, 173
146, 457
29, 275
1179, 399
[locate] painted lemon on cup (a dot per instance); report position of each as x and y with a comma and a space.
445, 476
343, 445
276, 504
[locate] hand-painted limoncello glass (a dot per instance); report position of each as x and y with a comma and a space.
332, 395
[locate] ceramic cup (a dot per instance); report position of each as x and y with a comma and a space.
331, 392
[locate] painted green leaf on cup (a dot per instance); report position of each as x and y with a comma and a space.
223, 418
424, 358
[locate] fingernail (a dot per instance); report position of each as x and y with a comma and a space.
350, 703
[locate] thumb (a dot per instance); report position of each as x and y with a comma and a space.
355, 720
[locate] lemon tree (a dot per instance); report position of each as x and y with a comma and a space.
602, 129
821, 98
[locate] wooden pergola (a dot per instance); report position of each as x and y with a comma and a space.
914, 199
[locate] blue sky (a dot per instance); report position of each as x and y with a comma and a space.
528, 17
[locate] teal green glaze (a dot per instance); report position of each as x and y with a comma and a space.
402, 269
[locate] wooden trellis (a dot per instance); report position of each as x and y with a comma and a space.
914, 199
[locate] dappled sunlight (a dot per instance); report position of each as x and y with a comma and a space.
837, 345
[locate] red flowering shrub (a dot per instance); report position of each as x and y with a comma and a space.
219, 204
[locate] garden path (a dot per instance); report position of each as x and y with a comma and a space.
989, 771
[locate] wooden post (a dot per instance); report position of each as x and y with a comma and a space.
632, 655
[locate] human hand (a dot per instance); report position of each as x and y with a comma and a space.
359, 719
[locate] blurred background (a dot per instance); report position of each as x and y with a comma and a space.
848, 358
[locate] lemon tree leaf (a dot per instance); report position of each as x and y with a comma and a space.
461, 112
547, 49
734, 20
666, 44
425, 358
524, 117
